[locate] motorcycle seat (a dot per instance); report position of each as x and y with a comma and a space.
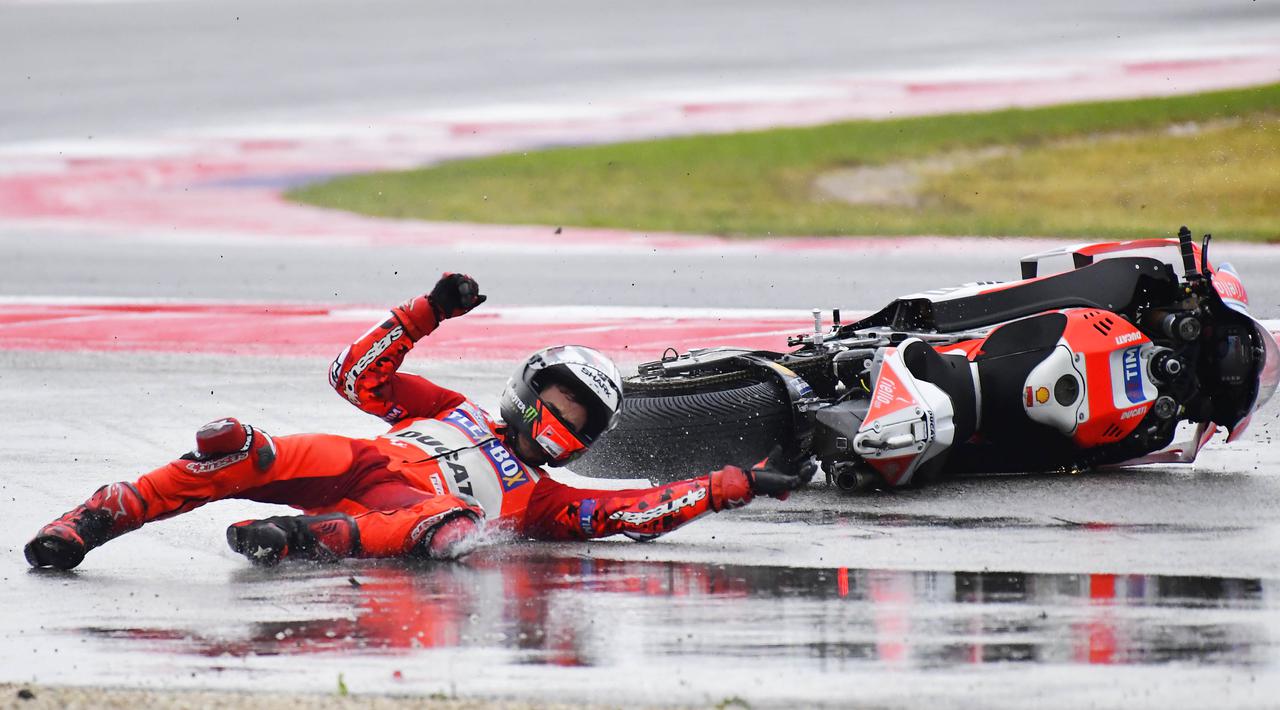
1111, 284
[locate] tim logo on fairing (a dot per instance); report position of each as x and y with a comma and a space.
1132, 363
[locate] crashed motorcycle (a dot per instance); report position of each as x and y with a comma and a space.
1119, 360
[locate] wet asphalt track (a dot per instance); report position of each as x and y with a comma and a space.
1143, 589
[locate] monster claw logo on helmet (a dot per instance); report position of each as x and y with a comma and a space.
591, 377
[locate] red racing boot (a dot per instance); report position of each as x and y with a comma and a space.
320, 538
113, 510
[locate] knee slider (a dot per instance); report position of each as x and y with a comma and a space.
228, 437
445, 536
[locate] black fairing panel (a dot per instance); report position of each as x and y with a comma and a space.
836, 425
1007, 358
1111, 284
1039, 334
951, 373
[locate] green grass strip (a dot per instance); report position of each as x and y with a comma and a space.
1106, 169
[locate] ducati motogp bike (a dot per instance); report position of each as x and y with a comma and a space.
1122, 359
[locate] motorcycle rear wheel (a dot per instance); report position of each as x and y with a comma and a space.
675, 429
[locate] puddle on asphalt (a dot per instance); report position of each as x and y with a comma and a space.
960, 522
530, 607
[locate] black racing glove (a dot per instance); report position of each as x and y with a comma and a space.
779, 474
454, 295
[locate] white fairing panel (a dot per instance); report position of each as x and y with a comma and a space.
949, 293
1230, 288
1131, 383
910, 421
1042, 403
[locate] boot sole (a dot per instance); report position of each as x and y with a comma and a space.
254, 544
53, 551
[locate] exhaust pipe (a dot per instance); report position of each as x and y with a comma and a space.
851, 478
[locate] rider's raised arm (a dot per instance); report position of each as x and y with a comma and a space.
365, 372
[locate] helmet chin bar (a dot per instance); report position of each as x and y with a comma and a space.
554, 436
540, 429
514, 441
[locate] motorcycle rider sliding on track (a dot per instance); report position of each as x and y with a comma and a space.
425, 489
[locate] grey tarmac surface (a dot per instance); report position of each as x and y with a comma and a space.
77, 69
1148, 588
1152, 588
864, 274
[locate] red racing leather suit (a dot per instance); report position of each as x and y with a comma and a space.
443, 456
445, 445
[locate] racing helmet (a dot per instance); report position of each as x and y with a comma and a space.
589, 375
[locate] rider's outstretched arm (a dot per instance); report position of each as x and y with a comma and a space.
365, 372
560, 512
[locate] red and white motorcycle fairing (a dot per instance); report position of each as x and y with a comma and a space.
910, 421
1230, 288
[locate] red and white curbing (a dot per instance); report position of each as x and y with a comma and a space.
230, 182
308, 330
304, 330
